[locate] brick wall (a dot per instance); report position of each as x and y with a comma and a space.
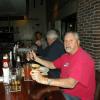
88, 25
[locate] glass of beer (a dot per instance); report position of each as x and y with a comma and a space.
43, 70
27, 69
35, 66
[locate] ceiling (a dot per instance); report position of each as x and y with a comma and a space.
12, 7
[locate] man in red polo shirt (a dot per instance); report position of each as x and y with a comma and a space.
77, 76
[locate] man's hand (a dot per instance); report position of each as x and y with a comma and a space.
37, 76
38, 43
31, 55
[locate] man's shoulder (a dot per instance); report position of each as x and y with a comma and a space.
83, 54
65, 55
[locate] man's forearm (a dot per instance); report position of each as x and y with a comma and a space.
64, 83
45, 63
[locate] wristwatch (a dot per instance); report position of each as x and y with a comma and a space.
49, 81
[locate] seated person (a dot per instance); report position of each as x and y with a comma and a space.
77, 77
54, 50
39, 40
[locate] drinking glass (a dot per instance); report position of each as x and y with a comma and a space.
27, 69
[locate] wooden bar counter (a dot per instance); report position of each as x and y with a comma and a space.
31, 90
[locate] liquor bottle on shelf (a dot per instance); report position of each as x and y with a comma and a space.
18, 68
5, 60
10, 59
15, 48
18, 63
14, 51
6, 71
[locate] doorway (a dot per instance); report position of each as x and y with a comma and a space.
69, 23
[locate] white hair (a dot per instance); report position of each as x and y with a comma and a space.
74, 33
52, 34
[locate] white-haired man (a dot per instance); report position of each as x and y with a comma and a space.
54, 50
77, 76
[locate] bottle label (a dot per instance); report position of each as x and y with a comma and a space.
5, 60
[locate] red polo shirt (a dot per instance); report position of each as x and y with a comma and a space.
80, 67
